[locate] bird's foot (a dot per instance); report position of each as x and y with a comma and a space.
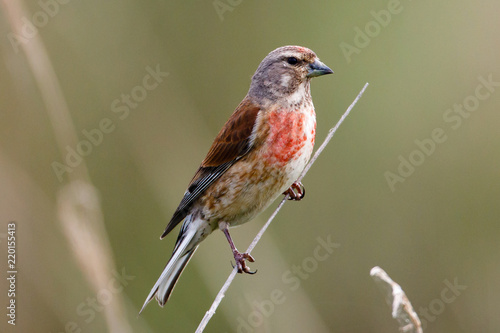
238, 256
240, 262
296, 192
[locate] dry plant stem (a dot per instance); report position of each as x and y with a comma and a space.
222, 292
78, 207
402, 309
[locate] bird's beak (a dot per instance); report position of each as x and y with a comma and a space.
317, 68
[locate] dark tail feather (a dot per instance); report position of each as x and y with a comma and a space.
172, 271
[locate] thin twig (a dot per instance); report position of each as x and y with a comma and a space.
402, 309
222, 292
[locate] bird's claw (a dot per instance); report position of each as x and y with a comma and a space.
296, 192
240, 262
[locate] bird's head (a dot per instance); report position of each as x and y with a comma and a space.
286, 71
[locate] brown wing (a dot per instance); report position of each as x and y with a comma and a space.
232, 143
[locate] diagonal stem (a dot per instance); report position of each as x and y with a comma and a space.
218, 299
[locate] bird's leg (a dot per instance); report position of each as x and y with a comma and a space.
238, 256
296, 192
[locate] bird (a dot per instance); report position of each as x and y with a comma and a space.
258, 155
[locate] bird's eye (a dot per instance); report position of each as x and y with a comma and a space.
292, 60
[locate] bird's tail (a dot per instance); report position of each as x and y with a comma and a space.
184, 249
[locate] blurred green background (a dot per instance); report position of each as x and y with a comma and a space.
435, 230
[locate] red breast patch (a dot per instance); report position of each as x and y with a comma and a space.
286, 137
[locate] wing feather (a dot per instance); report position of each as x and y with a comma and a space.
232, 143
